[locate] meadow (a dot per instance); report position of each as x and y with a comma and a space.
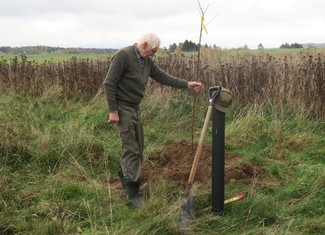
59, 157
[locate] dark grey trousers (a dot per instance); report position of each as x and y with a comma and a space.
130, 129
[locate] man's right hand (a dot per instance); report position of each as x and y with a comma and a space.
113, 118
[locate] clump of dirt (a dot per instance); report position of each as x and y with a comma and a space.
174, 163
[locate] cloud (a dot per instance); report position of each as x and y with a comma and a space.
113, 24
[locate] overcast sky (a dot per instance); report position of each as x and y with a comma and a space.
118, 23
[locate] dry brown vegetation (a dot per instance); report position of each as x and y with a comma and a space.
294, 79
75, 76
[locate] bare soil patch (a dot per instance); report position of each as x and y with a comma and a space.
174, 163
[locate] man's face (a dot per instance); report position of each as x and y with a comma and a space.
147, 51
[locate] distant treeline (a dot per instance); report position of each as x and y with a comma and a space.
34, 50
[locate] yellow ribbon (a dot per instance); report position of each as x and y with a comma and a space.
203, 25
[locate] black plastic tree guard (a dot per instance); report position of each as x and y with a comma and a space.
218, 160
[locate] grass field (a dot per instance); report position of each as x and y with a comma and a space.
59, 159
39, 58
59, 156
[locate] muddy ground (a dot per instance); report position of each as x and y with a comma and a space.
174, 163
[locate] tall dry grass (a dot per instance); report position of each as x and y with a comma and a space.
289, 79
74, 76
294, 79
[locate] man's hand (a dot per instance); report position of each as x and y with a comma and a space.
196, 86
113, 117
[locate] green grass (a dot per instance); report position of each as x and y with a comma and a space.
57, 157
39, 58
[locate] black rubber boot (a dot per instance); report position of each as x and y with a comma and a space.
133, 198
123, 180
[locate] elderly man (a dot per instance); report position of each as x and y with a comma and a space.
124, 87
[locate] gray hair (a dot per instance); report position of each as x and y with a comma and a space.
152, 39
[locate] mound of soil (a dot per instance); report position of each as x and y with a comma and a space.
174, 163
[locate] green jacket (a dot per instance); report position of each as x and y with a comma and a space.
126, 78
